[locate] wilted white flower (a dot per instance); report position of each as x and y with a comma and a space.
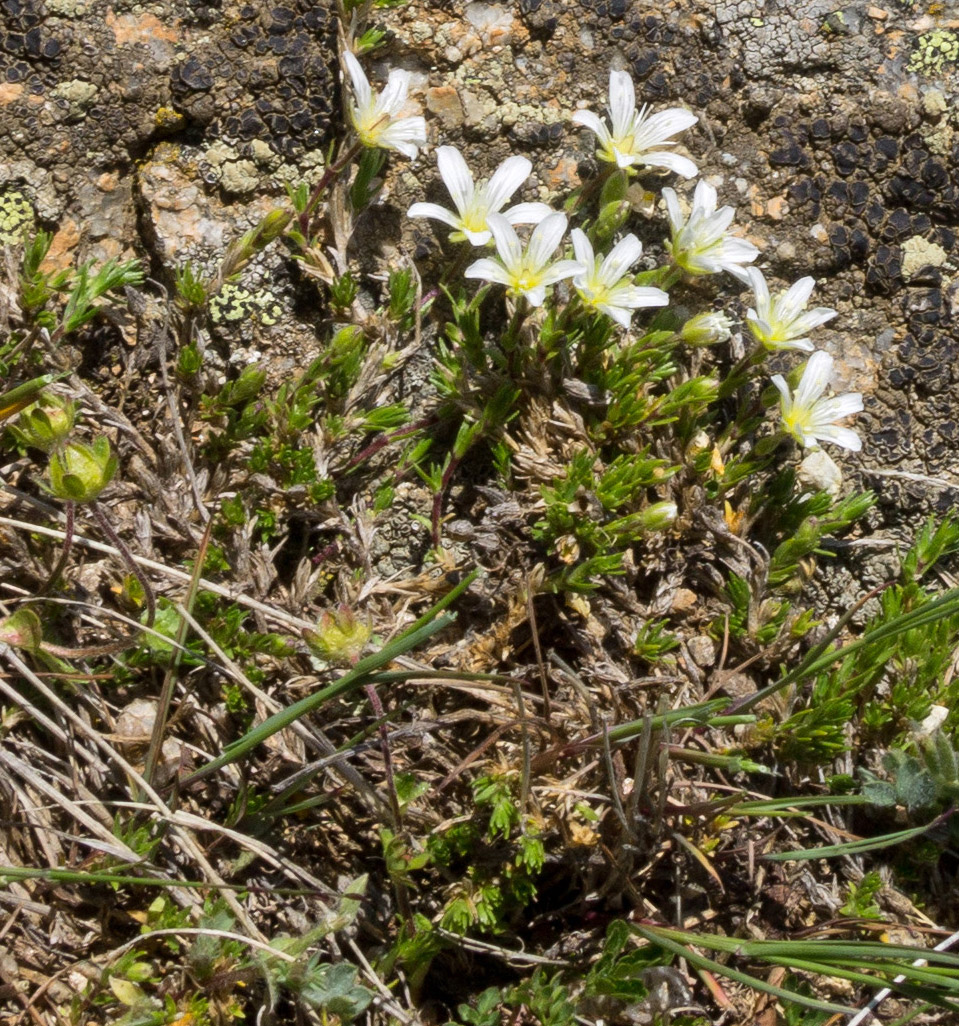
474, 203
699, 243
526, 272
778, 322
706, 329
810, 419
375, 116
607, 285
636, 137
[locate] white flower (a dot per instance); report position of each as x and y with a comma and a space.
699, 244
778, 322
375, 116
475, 203
706, 329
526, 272
636, 138
810, 419
606, 283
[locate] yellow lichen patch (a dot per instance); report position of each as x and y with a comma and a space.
167, 118
16, 217
934, 50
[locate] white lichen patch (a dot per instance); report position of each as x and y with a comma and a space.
78, 92
918, 252
236, 304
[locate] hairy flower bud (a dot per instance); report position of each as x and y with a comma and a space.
80, 472
46, 424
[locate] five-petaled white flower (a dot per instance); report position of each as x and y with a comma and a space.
810, 419
778, 322
375, 116
474, 203
526, 272
606, 283
636, 138
699, 243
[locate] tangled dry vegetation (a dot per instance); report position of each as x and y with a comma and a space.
469, 676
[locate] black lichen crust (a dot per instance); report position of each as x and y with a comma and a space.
267, 74
101, 82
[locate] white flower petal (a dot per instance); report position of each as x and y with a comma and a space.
477, 238
658, 128
507, 241
803, 345
582, 247
780, 382
621, 257
622, 102
619, 314
761, 291
546, 236
488, 270
527, 213
456, 177
636, 296
795, 298
589, 120
535, 295
435, 211
405, 136
507, 178
813, 318
361, 84
673, 210
704, 199
560, 270
839, 407
671, 161
843, 436
394, 93
815, 378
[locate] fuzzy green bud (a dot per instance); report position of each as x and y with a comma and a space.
22, 629
658, 517
80, 472
706, 329
46, 424
339, 637
612, 217
271, 227
246, 387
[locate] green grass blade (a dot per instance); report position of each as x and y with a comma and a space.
662, 939
852, 847
351, 681
793, 806
946, 604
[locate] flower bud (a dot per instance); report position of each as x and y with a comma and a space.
339, 637
706, 329
46, 424
612, 217
658, 517
80, 472
22, 629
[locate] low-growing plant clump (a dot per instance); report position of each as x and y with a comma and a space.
579, 743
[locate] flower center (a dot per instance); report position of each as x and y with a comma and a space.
474, 218
798, 420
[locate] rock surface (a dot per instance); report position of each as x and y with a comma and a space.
164, 129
